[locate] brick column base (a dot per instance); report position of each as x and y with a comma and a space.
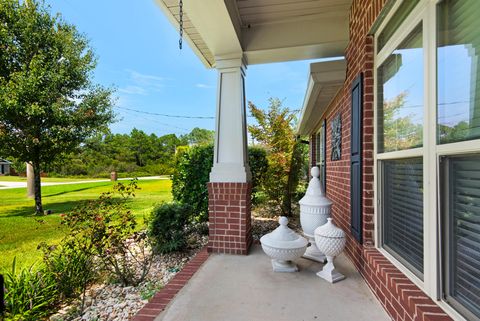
230, 227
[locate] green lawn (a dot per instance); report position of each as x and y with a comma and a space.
21, 232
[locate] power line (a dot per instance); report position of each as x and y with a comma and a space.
179, 116
154, 120
165, 115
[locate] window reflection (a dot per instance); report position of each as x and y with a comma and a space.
458, 45
400, 96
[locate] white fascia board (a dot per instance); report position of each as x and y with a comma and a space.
295, 40
175, 24
317, 51
322, 75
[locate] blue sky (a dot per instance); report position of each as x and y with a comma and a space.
138, 54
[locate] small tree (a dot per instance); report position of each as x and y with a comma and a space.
48, 105
284, 154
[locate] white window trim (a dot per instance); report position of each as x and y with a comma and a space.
317, 147
424, 11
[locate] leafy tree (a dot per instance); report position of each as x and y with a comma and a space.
48, 105
450, 134
141, 146
200, 136
399, 131
284, 154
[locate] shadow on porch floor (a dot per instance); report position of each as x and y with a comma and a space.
244, 288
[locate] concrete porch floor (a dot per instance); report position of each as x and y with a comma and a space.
244, 288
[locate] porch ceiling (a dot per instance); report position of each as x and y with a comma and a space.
263, 31
324, 81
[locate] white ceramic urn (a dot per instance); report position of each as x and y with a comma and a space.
314, 211
331, 241
283, 246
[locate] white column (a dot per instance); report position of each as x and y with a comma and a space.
230, 163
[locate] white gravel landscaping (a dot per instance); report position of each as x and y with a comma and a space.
113, 302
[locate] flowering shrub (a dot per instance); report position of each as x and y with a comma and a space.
101, 237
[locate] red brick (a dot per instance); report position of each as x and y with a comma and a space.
436, 317
150, 312
143, 318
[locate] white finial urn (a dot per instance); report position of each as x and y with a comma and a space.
331, 241
283, 246
314, 211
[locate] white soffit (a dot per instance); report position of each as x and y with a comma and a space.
262, 31
324, 81
282, 30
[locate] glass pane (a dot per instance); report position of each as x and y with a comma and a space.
400, 96
403, 211
402, 12
458, 68
464, 233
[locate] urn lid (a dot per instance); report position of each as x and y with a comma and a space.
283, 237
315, 195
329, 230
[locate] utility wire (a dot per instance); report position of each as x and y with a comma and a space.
178, 116
185, 130
165, 115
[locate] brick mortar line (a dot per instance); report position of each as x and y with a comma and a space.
162, 298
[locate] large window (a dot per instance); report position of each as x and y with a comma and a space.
400, 125
428, 148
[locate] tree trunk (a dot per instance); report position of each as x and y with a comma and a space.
38, 189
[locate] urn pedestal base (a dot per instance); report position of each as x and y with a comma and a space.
284, 266
329, 273
312, 252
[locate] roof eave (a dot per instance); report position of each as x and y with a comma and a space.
324, 80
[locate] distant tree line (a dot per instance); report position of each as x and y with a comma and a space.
134, 154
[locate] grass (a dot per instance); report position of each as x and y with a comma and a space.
21, 231
45, 179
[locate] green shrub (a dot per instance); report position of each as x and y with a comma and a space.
101, 238
106, 228
168, 227
190, 177
257, 159
192, 173
72, 267
31, 293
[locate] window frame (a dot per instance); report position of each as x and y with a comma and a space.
318, 137
431, 151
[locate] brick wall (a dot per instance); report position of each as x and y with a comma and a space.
400, 297
229, 217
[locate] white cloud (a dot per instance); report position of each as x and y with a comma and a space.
133, 90
204, 86
142, 84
